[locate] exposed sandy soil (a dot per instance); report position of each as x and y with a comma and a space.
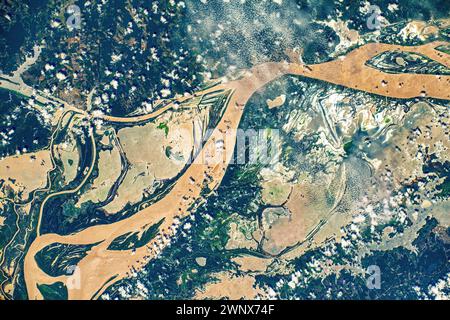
347, 37
275, 192
24, 173
148, 144
138, 179
201, 261
277, 102
419, 29
252, 264
231, 287
69, 155
154, 154
307, 206
110, 168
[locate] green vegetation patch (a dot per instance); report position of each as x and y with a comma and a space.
55, 291
406, 62
444, 48
164, 127
58, 259
348, 146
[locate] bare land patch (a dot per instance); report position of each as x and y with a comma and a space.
23, 174
109, 168
230, 286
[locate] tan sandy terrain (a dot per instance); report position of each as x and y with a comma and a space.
25, 173
138, 179
347, 37
230, 286
307, 206
154, 154
275, 192
69, 155
419, 29
252, 264
277, 102
147, 144
110, 164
